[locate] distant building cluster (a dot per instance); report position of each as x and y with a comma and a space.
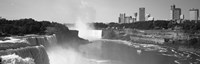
125, 19
175, 15
129, 19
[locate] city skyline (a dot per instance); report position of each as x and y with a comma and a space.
67, 11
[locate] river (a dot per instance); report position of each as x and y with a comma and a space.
106, 51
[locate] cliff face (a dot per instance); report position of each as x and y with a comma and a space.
66, 37
133, 35
109, 34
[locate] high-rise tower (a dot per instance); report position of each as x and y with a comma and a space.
142, 14
175, 13
122, 18
194, 14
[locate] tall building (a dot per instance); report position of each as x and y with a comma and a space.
128, 19
199, 18
151, 19
142, 14
175, 13
147, 17
135, 14
134, 20
122, 18
125, 19
194, 14
182, 17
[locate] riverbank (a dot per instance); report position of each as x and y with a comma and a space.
126, 52
175, 39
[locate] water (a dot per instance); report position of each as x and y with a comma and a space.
90, 34
122, 52
104, 51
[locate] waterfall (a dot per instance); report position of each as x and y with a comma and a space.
29, 49
52, 40
90, 34
45, 40
25, 55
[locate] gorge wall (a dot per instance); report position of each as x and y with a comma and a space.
66, 37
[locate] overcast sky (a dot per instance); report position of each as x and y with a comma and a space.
68, 11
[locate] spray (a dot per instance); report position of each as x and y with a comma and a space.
63, 55
84, 23
59, 55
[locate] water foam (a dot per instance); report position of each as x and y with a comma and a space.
15, 59
60, 55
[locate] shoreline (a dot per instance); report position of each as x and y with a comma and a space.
152, 37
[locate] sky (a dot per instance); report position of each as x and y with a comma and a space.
69, 11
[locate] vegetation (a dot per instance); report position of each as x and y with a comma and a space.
192, 28
30, 26
26, 26
149, 25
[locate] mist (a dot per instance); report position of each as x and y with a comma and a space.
84, 22
84, 15
60, 55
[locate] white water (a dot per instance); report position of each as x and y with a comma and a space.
13, 40
59, 55
15, 59
62, 55
90, 34
86, 31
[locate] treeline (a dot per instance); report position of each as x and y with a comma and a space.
160, 24
148, 25
26, 26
